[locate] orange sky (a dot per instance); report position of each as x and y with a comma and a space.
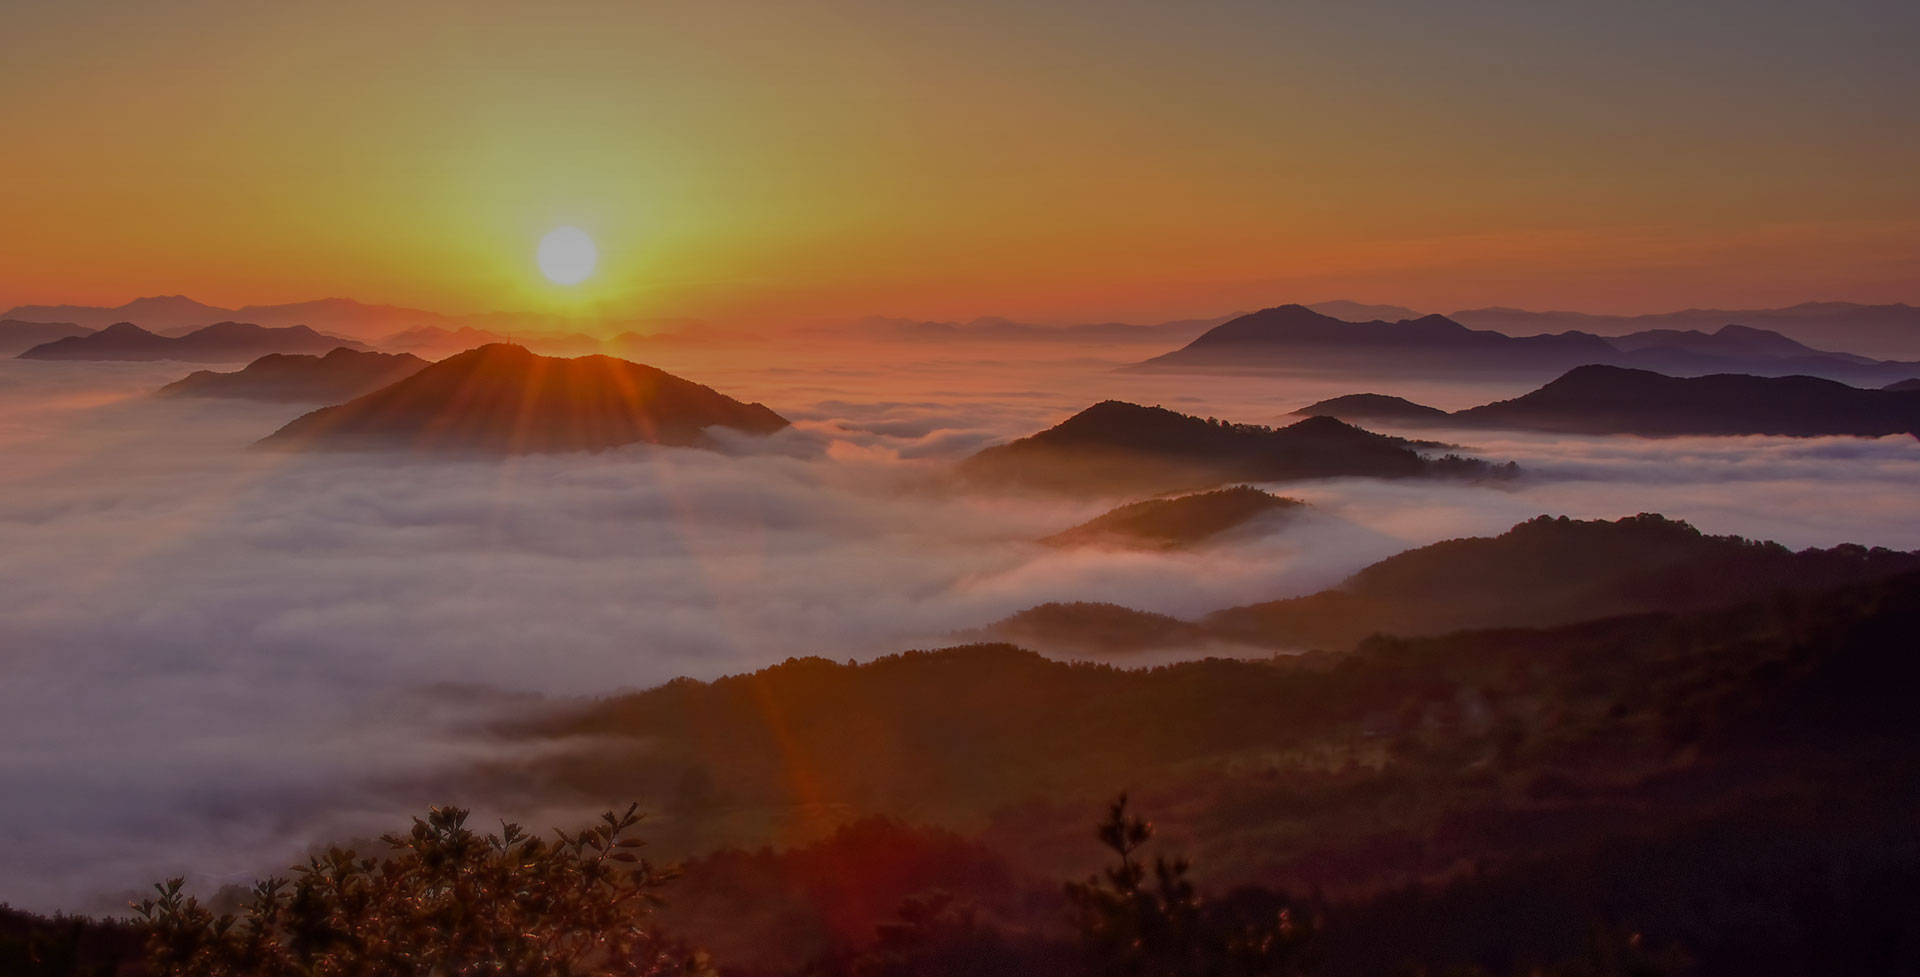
1047, 159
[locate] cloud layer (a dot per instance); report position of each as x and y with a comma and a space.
215, 657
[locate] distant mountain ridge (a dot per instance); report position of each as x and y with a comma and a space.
1889, 331
1614, 400
994, 328
392, 328
502, 399
162, 313
1881, 331
222, 342
340, 375
1298, 338
1122, 448
17, 337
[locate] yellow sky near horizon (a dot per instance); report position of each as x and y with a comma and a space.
1048, 160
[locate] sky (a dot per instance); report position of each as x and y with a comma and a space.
1047, 159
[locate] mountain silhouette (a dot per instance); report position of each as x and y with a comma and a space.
1728, 340
1881, 331
1611, 400
1177, 523
435, 338
1541, 573
997, 329
1117, 447
340, 375
222, 342
1297, 338
1550, 571
154, 312
17, 337
1087, 627
175, 313
1743, 349
1372, 407
504, 399
1615, 400
1362, 311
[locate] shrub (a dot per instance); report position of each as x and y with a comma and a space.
444, 901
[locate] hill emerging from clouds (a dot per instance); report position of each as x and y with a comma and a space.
1359, 408
1120, 448
502, 399
1178, 523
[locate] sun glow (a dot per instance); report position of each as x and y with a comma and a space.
567, 256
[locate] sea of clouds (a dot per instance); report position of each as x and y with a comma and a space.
216, 657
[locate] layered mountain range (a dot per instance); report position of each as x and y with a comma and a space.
1613, 400
17, 337
1180, 522
1297, 338
222, 342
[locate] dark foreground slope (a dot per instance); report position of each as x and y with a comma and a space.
502, 399
1482, 797
340, 375
1116, 447
222, 342
1728, 791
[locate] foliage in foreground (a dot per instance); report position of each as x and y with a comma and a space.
448, 901
1145, 922
445, 901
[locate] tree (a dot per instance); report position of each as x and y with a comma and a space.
445, 902
1141, 921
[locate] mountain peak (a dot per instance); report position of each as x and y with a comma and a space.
504, 399
1117, 446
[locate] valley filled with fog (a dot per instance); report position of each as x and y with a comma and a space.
216, 656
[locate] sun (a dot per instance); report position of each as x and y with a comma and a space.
567, 256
